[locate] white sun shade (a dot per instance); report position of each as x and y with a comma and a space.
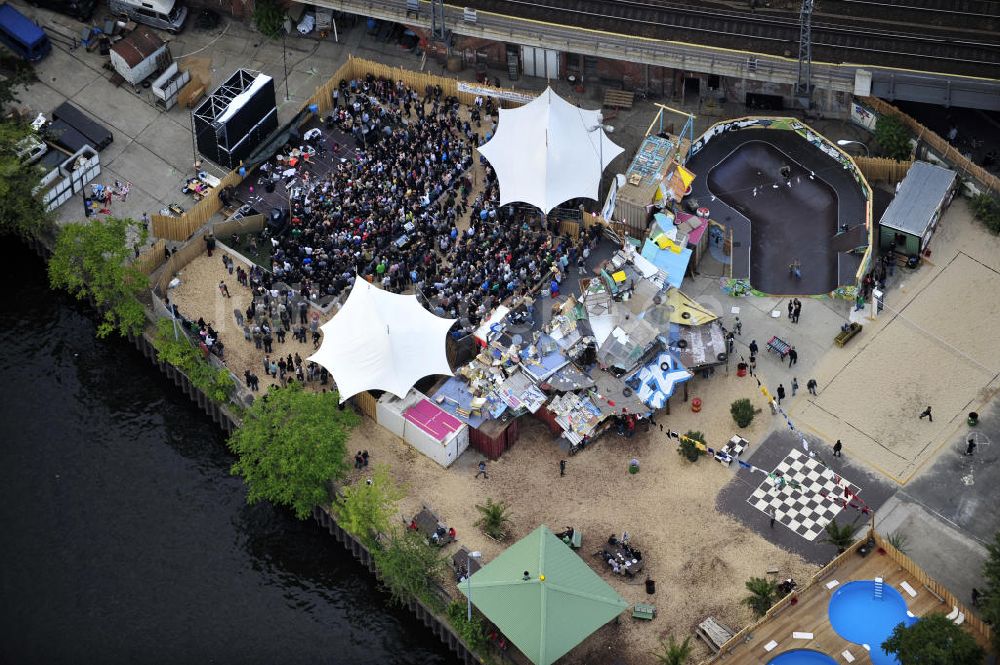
548, 152
382, 341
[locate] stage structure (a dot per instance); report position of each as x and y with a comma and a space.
236, 118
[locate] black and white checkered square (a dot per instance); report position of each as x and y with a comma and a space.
811, 496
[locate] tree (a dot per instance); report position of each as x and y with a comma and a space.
269, 17
409, 566
842, 536
990, 598
494, 518
933, 640
893, 137
473, 633
290, 445
366, 508
672, 652
763, 593
742, 411
90, 260
14, 73
21, 211
687, 448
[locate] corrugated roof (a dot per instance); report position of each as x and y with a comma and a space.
137, 46
918, 198
561, 603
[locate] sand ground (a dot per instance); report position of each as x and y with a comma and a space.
934, 344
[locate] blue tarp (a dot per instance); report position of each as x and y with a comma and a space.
457, 390
550, 362
675, 265
655, 383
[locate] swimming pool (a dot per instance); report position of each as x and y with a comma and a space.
802, 657
859, 617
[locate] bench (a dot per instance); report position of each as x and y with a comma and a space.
621, 99
644, 612
779, 346
714, 633
844, 336
577, 539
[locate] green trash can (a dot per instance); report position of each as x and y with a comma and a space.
633, 466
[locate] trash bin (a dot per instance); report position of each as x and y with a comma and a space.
973, 419
650, 586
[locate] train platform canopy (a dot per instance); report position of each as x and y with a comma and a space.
543, 596
382, 341
548, 152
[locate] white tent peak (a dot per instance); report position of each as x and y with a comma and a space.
382, 341
548, 152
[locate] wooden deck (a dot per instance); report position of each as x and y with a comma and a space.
809, 614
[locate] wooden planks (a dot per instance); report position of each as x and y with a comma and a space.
621, 99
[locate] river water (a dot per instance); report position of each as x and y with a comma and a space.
125, 539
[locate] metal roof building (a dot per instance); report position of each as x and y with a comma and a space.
909, 221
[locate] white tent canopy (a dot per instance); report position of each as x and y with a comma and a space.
382, 341
548, 152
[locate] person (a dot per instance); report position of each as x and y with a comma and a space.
793, 356
562, 468
223, 289
413, 525
452, 534
210, 243
795, 386
364, 458
970, 446
837, 447
771, 515
358, 461
811, 386
753, 348
927, 414
791, 310
781, 393
482, 470
738, 326
753, 365
976, 595
797, 311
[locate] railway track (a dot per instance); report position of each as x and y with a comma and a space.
930, 49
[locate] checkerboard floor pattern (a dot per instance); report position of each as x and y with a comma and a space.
807, 509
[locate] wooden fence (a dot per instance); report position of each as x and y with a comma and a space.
148, 261
366, 403
181, 258
949, 154
779, 606
936, 588
880, 169
173, 228
249, 224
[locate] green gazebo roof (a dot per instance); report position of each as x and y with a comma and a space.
561, 603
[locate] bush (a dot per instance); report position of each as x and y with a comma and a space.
473, 633
409, 566
893, 137
494, 519
987, 211
269, 18
934, 640
742, 411
216, 382
688, 449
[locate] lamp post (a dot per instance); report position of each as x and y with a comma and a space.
468, 581
845, 142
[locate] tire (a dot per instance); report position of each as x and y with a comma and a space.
665, 366
722, 357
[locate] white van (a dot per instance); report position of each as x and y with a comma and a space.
167, 15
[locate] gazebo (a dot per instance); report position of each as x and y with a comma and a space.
382, 341
542, 596
548, 152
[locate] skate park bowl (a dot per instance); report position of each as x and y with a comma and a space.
785, 195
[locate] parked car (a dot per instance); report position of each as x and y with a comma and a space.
167, 15
21, 35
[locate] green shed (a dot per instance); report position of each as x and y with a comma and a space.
909, 222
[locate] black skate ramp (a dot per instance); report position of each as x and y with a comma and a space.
777, 220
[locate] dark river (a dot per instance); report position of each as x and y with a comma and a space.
125, 539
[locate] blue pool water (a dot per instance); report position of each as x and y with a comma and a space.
859, 617
802, 657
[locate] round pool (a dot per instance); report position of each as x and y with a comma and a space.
859, 617
802, 657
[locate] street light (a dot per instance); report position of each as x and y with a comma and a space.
843, 142
468, 579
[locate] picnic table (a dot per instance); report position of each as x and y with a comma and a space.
427, 523
628, 564
779, 346
464, 565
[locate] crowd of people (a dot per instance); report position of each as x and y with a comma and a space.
393, 206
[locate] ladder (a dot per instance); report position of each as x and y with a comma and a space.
878, 587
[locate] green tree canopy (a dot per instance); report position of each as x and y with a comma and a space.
409, 566
176, 348
893, 137
933, 640
91, 260
367, 509
990, 598
21, 211
290, 445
